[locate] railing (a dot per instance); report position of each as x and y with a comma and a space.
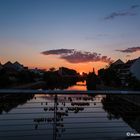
67, 115
40, 91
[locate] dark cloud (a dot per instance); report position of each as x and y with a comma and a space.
75, 56
128, 12
58, 51
130, 50
134, 6
128, 55
116, 14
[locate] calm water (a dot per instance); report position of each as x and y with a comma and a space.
75, 117
78, 86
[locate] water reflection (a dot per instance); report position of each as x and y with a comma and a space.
69, 117
8, 102
125, 107
78, 86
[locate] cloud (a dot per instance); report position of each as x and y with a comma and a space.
128, 55
97, 36
134, 6
116, 14
58, 51
130, 50
128, 12
76, 56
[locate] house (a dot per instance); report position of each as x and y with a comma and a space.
10, 67
1, 66
11, 71
117, 65
124, 70
118, 62
135, 68
37, 71
18, 66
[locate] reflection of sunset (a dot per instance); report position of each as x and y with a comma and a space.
78, 86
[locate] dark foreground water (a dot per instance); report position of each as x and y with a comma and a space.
68, 117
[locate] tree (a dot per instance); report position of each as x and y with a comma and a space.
52, 69
109, 76
91, 81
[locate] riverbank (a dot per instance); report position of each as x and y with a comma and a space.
35, 85
133, 99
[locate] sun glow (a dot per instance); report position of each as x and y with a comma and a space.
81, 73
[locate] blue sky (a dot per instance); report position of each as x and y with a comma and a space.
29, 27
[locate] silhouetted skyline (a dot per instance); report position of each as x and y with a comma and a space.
76, 34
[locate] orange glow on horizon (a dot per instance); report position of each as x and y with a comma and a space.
80, 67
45, 62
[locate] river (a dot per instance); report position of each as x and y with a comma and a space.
67, 117
79, 86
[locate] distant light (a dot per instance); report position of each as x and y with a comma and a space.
81, 73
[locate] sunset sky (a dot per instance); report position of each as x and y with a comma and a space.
79, 34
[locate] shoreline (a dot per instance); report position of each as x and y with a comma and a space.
35, 85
